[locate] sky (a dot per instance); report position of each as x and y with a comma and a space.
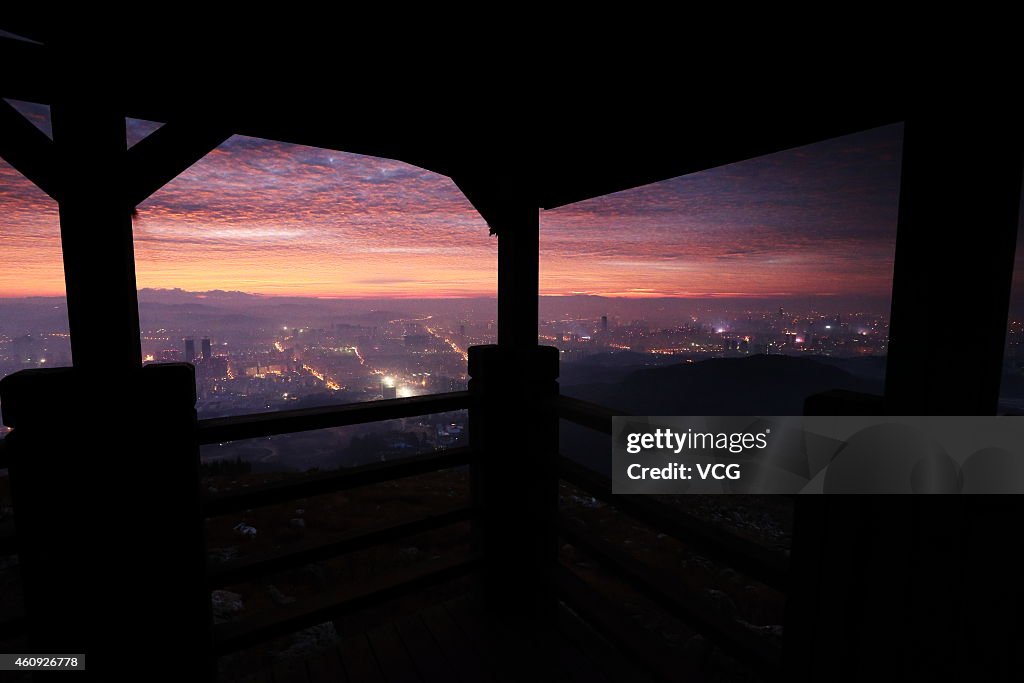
279, 219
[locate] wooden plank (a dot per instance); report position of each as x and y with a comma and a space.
247, 568
574, 666
235, 635
456, 647
392, 657
656, 658
466, 616
220, 429
660, 586
598, 649
494, 646
326, 667
263, 676
315, 485
756, 561
292, 670
427, 657
358, 660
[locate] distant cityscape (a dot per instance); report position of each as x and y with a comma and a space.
252, 357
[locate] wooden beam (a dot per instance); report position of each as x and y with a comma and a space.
339, 480
167, 152
955, 243
506, 201
96, 235
584, 413
27, 149
647, 146
219, 429
28, 71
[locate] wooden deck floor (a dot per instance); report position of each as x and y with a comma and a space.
450, 642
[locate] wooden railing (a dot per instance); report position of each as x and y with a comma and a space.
333, 603
220, 429
757, 561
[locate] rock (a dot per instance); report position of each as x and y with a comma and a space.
721, 600
225, 605
277, 596
245, 530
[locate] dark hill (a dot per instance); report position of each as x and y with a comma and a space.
756, 385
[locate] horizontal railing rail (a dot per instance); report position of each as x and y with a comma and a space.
235, 635
242, 569
221, 429
749, 557
330, 482
585, 413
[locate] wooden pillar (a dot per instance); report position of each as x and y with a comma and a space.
104, 460
96, 235
105, 484
921, 588
515, 480
518, 274
958, 220
515, 436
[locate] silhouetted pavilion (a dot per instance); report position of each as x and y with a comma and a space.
920, 585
